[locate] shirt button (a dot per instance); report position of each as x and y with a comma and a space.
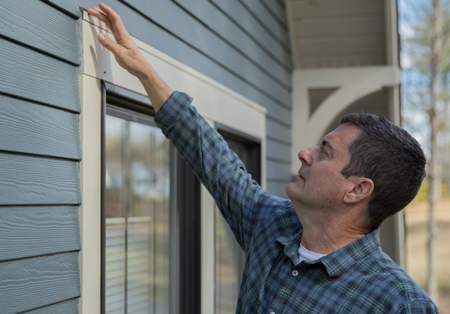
294, 273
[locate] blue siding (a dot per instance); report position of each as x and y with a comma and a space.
39, 159
242, 44
38, 129
36, 230
38, 77
35, 282
33, 24
28, 180
66, 307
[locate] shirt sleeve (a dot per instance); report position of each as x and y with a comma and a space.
240, 199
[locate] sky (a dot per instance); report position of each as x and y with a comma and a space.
414, 120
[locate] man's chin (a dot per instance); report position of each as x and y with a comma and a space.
291, 188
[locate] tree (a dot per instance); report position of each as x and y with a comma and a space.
429, 48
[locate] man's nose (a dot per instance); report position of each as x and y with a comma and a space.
305, 156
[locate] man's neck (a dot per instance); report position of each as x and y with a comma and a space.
326, 233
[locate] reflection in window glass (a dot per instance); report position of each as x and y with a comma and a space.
229, 257
137, 218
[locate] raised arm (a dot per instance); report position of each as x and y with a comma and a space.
129, 57
240, 199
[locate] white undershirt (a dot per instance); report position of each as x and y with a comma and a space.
307, 256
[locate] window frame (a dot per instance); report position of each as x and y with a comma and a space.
255, 148
118, 101
213, 100
254, 168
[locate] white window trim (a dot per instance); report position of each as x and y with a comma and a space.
216, 102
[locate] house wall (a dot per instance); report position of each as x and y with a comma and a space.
241, 44
251, 121
39, 159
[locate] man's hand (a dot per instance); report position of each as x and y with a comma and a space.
128, 55
124, 49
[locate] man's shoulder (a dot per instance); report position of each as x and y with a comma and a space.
394, 285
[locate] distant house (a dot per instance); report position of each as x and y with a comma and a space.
98, 213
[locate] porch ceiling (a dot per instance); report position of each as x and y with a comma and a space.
337, 33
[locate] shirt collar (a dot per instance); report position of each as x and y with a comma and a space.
338, 262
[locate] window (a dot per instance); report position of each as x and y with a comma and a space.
138, 209
229, 257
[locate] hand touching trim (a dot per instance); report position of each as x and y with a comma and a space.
128, 55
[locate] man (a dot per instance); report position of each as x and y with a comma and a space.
318, 252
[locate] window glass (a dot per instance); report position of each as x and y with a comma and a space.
137, 190
229, 256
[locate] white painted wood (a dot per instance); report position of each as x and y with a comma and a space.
339, 33
339, 26
90, 178
391, 25
213, 100
354, 84
319, 8
207, 252
210, 97
292, 36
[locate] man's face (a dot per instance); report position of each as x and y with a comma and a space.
320, 183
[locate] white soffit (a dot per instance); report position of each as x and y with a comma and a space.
337, 33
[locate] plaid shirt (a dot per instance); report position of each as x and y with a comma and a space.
358, 278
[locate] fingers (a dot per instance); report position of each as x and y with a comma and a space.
115, 19
101, 16
111, 19
109, 44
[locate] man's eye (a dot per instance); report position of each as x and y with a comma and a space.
322, 150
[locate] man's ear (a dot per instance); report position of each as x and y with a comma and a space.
359, 190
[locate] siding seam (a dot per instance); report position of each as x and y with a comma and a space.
262, 91
2, 151
37, 256
289, 69
274, 139
43, 52
278, 121
280, 161
57, 7
283, 45
44, 306
275, 17
38, 102
236, 48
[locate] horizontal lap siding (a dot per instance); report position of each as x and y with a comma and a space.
277, 11
197, 35
35, 129
233, 35
33, 24
39, 159
32, 75
229, 41
35, 282
66, 307
261, 14
35, 230
38, 180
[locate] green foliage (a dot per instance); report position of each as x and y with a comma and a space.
423, 192
422, 196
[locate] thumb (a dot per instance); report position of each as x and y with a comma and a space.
108, 43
